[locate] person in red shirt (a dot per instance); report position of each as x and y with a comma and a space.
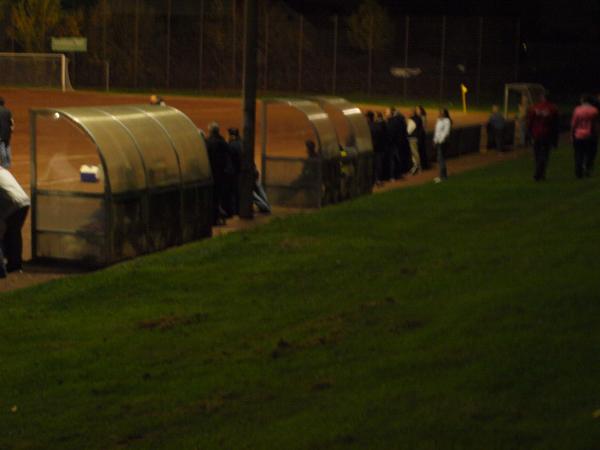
542, 123
584, 133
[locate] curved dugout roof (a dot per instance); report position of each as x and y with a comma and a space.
360, 135
319, 120
142, 146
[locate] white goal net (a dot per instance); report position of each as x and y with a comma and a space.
41, 70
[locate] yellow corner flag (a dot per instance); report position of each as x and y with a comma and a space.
464, 90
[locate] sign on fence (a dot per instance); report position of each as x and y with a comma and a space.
69, 44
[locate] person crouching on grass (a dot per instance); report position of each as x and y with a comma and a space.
14, 206
441, 138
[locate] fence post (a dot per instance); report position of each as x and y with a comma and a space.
104, 18
266, 56
234, 45
406, 36
201, 46
370, 69
136, 44
335, 50
517, 49
479, 51
300, 49
168, 56
442, 56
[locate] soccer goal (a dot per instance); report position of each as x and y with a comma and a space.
42, 70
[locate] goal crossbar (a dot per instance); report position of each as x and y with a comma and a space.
47, 70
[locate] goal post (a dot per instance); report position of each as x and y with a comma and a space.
40, 70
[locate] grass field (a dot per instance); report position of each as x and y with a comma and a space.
462, 315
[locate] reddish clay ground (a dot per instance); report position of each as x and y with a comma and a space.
287, 133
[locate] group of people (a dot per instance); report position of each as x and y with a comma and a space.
14, 201
226, 164
399, 143
542, 122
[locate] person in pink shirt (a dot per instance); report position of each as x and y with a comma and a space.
584, 133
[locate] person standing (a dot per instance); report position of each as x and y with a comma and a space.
441, 139
398, 142
7, 125
542, 124
378, 140
220, 164
380, 146
235, 153
413, 124
14, 206
584, 134
495, 127
422, 136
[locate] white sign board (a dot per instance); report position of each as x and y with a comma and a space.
69, 44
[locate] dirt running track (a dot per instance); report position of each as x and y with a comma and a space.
287, 128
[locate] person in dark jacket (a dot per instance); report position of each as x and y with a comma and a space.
422, 135
398, 142
378, 140
380, 146
235, 153
7, 125
222, 168
542, 124
495, 128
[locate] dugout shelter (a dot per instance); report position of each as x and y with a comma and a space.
111, 183
289, 176
354, 136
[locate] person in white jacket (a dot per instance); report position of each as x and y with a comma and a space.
14, 206
441, 138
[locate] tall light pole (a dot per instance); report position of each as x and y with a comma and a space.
249, 108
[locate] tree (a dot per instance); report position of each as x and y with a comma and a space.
34, 21
370, 28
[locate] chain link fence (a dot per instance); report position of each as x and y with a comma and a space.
166, 44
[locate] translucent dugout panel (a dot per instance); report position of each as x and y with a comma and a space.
63, 148
186, 140
350, 123
291, 177
123, 163
288, 129
154, 145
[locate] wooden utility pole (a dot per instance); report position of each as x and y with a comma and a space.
249, 109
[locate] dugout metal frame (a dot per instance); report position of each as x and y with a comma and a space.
533, 92
320, 183
155, 192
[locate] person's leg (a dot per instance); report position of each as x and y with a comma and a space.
579, 156
13, 240
499, 135
416, 159
591, 159
545, 159
538, 159
441, 160
2, 265
4, 161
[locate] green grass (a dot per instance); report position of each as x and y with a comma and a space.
463, 315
